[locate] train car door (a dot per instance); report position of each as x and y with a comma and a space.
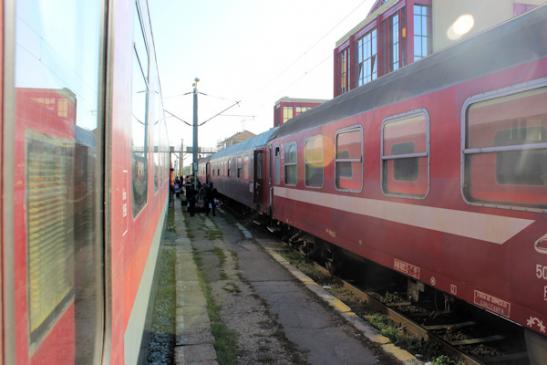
258, 176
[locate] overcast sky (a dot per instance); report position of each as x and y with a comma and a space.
249, 50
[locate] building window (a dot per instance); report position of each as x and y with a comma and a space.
287, 113
349, 159
314, 162
421, 32
344, 71
290, 164
395, 59
405, 155
366, 58
506, 150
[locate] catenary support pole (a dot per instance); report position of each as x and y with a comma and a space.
195, 135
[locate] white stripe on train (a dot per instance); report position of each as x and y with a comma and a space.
487, 227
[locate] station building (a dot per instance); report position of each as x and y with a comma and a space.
288, 108
235, 139
399, 32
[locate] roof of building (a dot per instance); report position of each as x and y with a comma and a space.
244, 133
373, 14
515, 42
299, 100
249, 144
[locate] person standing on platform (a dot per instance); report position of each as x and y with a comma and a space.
191, 197
210, 196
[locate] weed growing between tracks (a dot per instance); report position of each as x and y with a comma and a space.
396, 333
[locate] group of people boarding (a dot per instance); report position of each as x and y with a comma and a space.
201, 199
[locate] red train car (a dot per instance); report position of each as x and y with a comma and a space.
239, 172
437, 171
84, 181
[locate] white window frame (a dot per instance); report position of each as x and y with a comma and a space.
396, 118
350, 129
285, 163
515, 89
323, 161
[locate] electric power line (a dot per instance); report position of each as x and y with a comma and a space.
312, 46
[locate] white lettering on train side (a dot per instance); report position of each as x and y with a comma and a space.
541, 272
406, 268
492, 303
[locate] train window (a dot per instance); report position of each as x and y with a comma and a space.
156, 118
314, 161
139, 125
277, 176
405, 154
57, 123
290, 164
506, 149
246, 168
239, 168
349, 159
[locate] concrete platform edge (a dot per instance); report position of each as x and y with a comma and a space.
345, 312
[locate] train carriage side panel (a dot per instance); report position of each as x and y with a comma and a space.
432, 235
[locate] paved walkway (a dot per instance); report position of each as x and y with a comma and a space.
194, 341
275, 319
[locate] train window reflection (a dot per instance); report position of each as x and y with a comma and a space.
506, 149
59, 131
314, 164
290, 164
349, 160
405, 155
139, 123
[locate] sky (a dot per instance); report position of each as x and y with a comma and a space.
251, 51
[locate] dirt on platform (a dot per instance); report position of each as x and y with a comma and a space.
245, 330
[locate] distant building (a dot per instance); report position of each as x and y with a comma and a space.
235, 139
288, 108
400, 32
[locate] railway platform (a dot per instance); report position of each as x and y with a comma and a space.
238, 302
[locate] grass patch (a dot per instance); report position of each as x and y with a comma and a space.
225, 339
171, 226
162, 329
213, 234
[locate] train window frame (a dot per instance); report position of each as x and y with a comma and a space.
140, 33
427, 153
239, 167
353, 128
306, 164
289, 164
464, 151
277, 165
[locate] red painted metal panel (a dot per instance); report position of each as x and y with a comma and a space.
500, 271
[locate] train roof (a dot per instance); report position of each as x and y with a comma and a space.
517, 41
249, 144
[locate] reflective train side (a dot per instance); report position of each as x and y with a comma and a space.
437, 171
84, 180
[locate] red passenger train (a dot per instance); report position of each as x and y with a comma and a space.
437, 171
84, 180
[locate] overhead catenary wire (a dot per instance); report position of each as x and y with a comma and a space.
303, 54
